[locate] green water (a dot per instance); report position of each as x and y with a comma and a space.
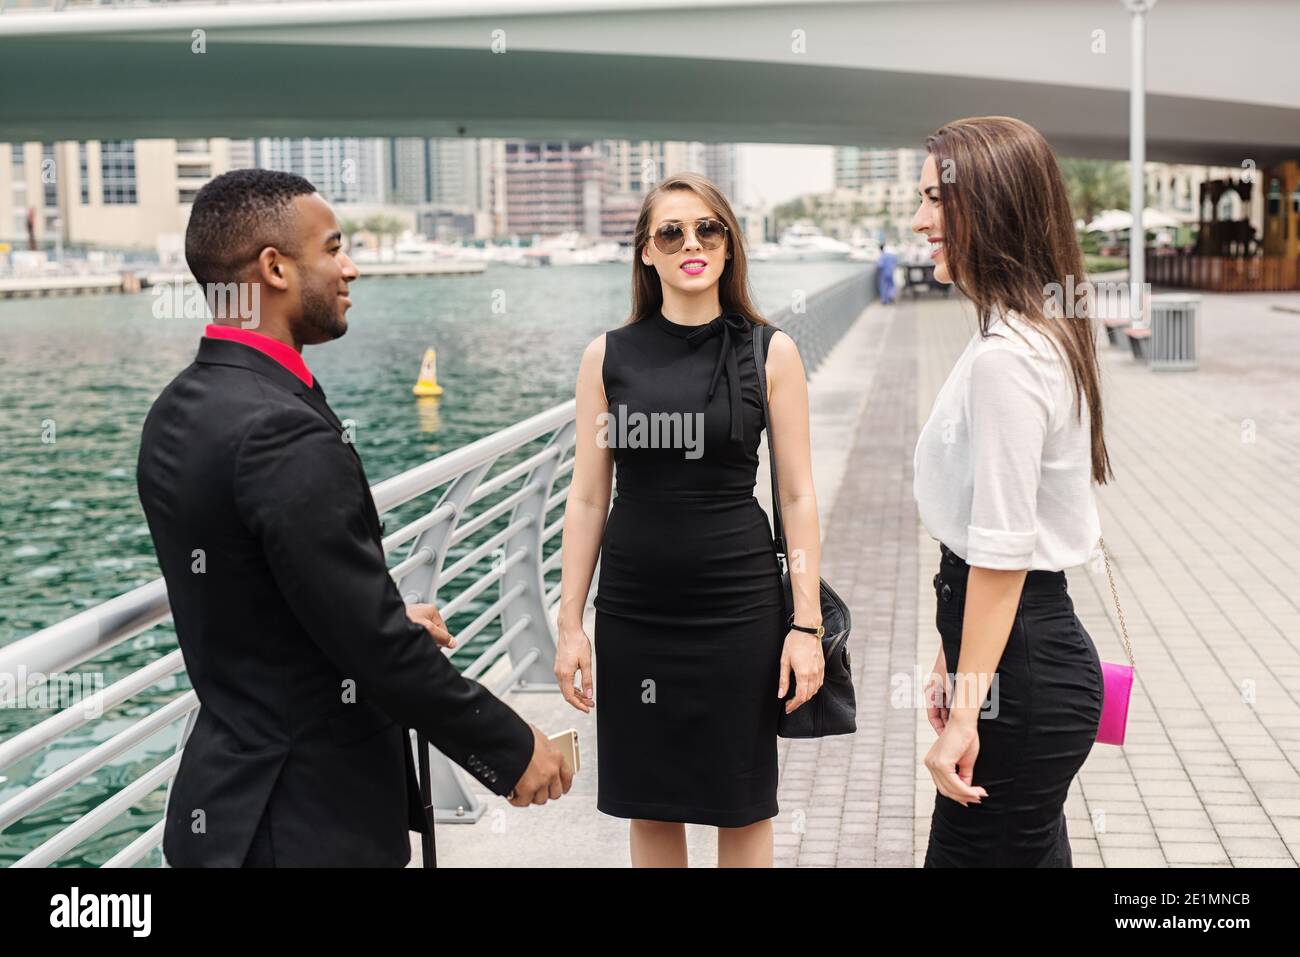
83, 371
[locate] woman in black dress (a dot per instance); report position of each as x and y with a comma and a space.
692, 650
1003, 478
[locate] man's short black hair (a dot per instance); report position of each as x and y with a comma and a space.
235, 216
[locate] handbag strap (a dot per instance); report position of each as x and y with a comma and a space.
778, 526
1123, 627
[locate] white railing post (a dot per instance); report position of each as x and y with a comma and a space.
420, 584
531, 606
453, 801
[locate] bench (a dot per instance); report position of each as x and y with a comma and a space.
1113, 325
921, 276
1137, 340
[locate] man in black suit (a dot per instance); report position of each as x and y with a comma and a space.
307, 663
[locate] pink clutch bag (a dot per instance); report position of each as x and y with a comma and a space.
1117, 680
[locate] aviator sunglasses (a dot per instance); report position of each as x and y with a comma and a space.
671, 236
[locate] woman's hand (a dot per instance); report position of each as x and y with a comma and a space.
801, 654
951, 760
938, 694
573, 654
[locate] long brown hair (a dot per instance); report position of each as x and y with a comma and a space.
1009, 242
733, 284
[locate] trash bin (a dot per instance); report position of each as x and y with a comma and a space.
1174, 321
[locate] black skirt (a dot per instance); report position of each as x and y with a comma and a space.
689, 629
1033, 739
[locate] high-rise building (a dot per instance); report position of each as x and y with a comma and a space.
552, 187
718, 163
858, 165
243, 154
115, 193
343, 169
454, 173
22, 194
449, 180
408, 170
631, 168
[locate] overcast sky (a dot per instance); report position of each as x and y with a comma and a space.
771, 174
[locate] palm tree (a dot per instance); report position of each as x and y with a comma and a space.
1094, 185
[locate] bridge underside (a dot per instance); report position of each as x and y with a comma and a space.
143, 89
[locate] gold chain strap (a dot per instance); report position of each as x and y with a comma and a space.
1123, 627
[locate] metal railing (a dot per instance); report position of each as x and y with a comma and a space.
498, 509
827, 316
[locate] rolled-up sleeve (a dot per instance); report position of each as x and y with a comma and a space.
1009, 413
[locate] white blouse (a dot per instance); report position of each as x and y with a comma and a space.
1002, 472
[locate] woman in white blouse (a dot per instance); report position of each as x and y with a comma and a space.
1003, 480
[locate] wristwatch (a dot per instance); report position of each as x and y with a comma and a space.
818, 631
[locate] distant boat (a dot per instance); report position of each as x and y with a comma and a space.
419, 249
412, 249
865, 250
802, 243
566, 249
572, 249
508, 255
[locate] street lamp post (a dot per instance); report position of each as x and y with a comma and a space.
1137, 157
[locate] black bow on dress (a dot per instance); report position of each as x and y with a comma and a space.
725, 325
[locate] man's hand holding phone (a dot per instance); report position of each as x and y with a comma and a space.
547, 777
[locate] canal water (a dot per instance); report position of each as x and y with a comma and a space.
77, 376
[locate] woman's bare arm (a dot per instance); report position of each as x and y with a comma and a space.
992, 597
585, 512
788, 403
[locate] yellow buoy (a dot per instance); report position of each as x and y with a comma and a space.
427, 384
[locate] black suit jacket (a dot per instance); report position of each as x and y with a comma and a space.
294, 635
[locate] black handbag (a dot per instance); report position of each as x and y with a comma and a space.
833, 709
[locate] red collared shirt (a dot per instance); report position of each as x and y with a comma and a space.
287, 356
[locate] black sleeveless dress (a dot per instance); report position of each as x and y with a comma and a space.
689, 605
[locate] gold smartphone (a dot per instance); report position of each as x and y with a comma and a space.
567, 743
